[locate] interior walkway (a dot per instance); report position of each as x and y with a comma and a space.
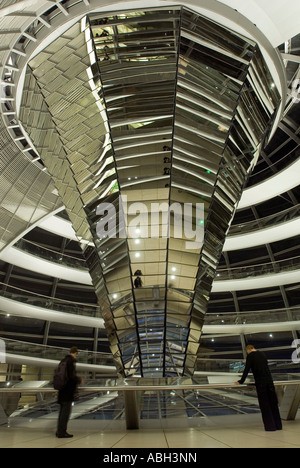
223, 432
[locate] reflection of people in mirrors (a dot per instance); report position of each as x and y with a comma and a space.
138, 282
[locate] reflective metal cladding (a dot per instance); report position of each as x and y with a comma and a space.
151, 114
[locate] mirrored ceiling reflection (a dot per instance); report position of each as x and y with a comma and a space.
184, 106
172, 82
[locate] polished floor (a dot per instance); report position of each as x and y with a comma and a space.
223, 432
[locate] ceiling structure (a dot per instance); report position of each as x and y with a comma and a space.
168, 153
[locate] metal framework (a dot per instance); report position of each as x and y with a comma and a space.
161, 106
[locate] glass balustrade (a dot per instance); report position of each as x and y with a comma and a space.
162, 400
159, 405
269, 221
90, 310
252, 317
46, 302
51, 255
246, 271
250, 271
242, 228
49, 352
281, 369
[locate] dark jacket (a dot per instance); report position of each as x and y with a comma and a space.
70, 389
258, 364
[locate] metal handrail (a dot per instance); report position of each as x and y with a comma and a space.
28, 349
47, 253
47, 302
142, 388
220, 317
283, 314
269, 221
246, 271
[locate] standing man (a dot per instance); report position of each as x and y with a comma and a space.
258, 364
66, 395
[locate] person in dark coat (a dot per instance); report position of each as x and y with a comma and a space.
66, 395
267, 398
138, 282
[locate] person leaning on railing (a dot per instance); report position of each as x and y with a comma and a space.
258, 364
